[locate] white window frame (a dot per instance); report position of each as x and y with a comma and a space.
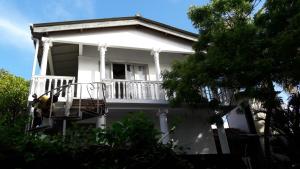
134, 67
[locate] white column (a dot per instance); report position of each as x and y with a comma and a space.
47, 44
155, 53
50, 61
37, 45
223, 138
102, 50
163, 122
101, 120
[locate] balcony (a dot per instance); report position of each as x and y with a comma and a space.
114, 91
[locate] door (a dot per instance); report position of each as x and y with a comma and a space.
119, 73
140, 72
130, 72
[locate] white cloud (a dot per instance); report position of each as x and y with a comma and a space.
14, 28
14, 21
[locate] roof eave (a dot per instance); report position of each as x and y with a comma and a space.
37, 29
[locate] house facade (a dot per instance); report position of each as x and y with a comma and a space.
103, 69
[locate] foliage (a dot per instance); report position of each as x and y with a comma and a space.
13, 93
241, 50
130, 143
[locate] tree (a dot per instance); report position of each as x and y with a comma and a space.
243, 51
13, 94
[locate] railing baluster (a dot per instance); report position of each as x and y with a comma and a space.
55, 85
156, 91
79, 106
125, 90
130, 90
61, 83
137, 90
119, 91
112, 90
142, 91
149, 91
133, 91
49, 85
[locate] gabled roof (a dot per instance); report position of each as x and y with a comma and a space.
41, 28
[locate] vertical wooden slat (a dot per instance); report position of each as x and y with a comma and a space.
133, 90
129, 90
152, 91
119, 91
142, 91
97, 90
124, 90
156, 91
49, 86
137, 91
113, 89
55, 85
61, 83
79, 106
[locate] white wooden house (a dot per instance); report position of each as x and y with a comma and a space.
127, 54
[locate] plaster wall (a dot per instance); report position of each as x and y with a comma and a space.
127, 37
89, 64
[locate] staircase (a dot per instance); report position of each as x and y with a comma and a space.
73, 109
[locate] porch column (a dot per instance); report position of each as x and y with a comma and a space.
155, 53
37, 42
223, 138
47, 44
102, 50
101, 120
163, 122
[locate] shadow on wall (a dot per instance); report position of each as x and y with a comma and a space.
192, 133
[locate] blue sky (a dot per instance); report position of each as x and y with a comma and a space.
16, 47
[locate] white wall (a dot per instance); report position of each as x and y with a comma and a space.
237, 120
193, 131
127, 37
88, 64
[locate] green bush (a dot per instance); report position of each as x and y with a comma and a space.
130, 143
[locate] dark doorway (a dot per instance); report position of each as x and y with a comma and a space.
119, 71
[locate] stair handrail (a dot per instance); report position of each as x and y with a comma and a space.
61, 88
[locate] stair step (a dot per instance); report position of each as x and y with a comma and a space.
41, 128
66, 118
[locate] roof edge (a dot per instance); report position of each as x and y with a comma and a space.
113, 19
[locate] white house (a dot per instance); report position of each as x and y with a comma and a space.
116, 64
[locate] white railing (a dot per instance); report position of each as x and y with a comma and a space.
224, 96
134, 91
116, 90
43, 84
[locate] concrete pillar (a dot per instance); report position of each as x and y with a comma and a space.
155, 54
101, 120
37, 45
47, 44
163, 122
223, 139
102, 50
